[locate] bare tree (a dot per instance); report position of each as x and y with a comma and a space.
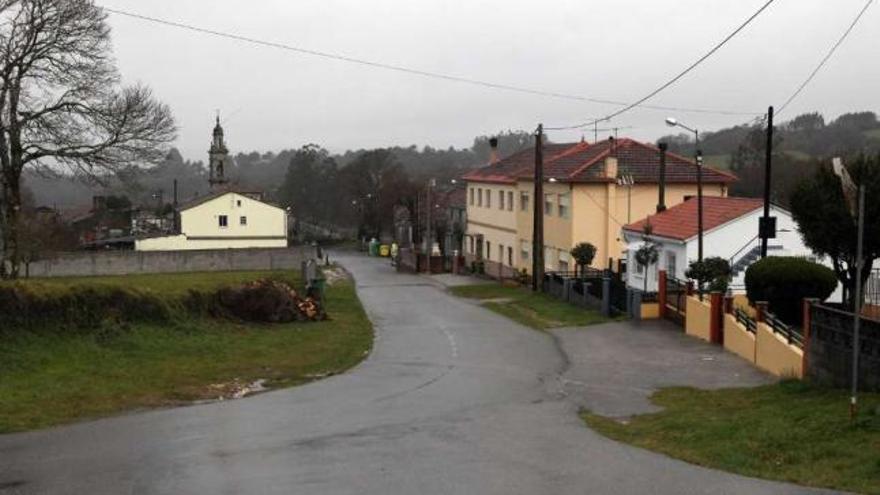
61, 104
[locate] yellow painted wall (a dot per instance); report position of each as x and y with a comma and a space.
773, 354
265, 226
263, 220
650, 311
698, 318
738, 340
497, 225
598, 211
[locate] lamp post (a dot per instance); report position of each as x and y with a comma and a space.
698, 158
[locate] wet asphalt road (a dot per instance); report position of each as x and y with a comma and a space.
453, 400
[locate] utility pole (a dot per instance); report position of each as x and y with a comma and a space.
700, 208
857, 317
661, 201
538, 212
767, 227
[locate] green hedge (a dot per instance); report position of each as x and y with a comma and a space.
83, 307
784, 282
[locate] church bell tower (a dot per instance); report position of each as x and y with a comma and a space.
218, 158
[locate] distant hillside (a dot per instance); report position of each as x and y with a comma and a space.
802, 138
800, 145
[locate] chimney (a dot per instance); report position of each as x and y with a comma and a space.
661, 200
611, 161
493, 151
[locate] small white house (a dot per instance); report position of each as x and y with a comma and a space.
730, 230
224, 220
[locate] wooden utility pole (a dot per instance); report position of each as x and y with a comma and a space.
765, 225
661, 200
538, 203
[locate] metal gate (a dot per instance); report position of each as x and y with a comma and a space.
676, 301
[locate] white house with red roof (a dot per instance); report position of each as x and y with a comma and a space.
730, 231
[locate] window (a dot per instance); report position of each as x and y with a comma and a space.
242, 221
564, 260
549, 261
501, 253
670, 264
488, 250
509, 255
471, 198
238, 203
564, 205
500, 200
548, 204
524, 250
479, 197
471, 239
488, 198
223, 221
523, 201
509, 200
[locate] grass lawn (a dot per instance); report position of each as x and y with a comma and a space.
789, 431
538, 311
54, 377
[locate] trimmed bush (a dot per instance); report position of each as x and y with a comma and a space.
784, 282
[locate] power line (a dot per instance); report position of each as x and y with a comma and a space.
681, 74
418, 72
826, 58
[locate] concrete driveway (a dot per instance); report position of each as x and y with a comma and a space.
615, 367
453, 400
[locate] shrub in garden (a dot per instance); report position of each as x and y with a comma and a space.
784, 282
714, 271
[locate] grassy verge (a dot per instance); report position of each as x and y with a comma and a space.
56, 376
789, 431
538, 311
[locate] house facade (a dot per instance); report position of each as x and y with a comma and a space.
730, 231
224, 220
583, 201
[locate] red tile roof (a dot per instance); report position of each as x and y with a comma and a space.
582, 162
680, 221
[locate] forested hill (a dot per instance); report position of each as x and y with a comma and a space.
803, 137
263, 171
800, 145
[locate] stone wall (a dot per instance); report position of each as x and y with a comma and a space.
128, 262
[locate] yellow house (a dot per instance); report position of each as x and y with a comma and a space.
224, 220
590, 192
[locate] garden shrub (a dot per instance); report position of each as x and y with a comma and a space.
785, 281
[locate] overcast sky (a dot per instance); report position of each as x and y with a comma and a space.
272, 99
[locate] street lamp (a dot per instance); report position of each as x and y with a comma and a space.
698, 158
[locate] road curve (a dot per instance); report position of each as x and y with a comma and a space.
453, 400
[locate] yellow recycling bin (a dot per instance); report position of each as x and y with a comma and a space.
384, 250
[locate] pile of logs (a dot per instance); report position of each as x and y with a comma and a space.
269, 301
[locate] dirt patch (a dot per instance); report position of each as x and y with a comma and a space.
335, 274
236, 389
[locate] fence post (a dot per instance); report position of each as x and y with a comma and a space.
728, 305
807, 323
566, 289
716, 315
690, 288
635, 299
761, 307
606, 296
661, 293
